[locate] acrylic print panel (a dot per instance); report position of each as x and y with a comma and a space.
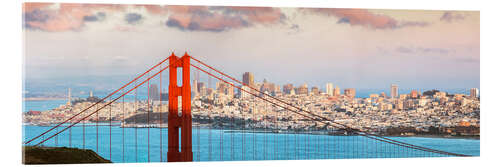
163, 83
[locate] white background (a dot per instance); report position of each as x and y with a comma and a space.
12, 64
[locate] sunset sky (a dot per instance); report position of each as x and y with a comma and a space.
359, 48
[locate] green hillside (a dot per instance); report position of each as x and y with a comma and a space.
60, 155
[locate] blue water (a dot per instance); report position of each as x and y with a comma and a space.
208, 146
226, 145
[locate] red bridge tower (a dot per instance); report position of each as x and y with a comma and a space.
179, 121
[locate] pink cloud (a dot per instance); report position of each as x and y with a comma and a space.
365, 18
264, 15
204, 22
200, 18
72, 17
359, 17
68, 16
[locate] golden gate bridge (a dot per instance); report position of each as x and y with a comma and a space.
180, 134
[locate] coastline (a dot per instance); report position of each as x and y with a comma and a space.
275, 131
443, 136
474, 137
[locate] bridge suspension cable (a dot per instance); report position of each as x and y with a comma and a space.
101, 100
107, 104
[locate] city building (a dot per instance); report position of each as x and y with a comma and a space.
230, 91
329, 89
383, 95
244, 93
277, 89
209, 92
440, 94
195, 87
220, 87
398, 104
200, 86
350, 92
374, 96
267, 87
91, 97
394, 91
287, 88
414, 94
248, 79
474, 92
315, 90
336, 91
154, 93
224, 89
164, 96
302, 90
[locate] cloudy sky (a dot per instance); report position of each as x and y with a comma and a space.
359, 48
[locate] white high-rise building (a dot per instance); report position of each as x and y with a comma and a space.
329, 89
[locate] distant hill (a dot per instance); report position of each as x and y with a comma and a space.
60, 155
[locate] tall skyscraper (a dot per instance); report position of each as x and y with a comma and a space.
474, 92
220, 87
394, 91
154, 93
69, 96
350, 92
248, 79
329, 89
336, 91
